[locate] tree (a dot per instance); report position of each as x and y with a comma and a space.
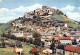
65, 35
35, 35
9, 31
34, 16
42, 43
37, 41
52, 46
74, 42
30, 40
53, 40
18, 44
3, 35
3, 44
21, 29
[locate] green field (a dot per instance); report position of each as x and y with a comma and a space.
9, 50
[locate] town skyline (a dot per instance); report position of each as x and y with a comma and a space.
10, 10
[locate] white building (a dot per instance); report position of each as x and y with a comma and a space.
65, 40
18, 33
65, 25
29, 35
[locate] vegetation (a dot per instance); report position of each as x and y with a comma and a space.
9, 50
37, 40
2, 43
31, 40
34, 51
4, 27
61, 18
52, 46
13, 37
36, 35
42, 43
74, 42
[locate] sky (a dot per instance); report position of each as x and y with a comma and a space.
12, 9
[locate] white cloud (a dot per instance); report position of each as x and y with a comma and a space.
74, 15
68, 8
79, 8
69, 11
3, 11
0, 0
34, 7
10, 14
55, 7
5, 19
30, 8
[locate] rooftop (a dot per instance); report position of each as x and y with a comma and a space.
72, 48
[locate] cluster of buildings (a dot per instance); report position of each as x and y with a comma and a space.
44, 12
64, 39
64, 44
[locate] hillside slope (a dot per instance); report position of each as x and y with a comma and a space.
61, 18
4, 27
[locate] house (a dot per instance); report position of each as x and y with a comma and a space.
65, 25
18, 25
44, 35
65, 40
44, 7
72, 50
25, 35
25, 15
29, 35
18, 33
48, 41
77, 37
47, 38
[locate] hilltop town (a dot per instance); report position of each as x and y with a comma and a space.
46, 27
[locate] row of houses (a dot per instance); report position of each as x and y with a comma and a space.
47, 37
51, 29
68, 50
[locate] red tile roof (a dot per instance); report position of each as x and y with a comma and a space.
72, 39
56, 38
78, 50
72, 48
64, 38
49, 39
74, 35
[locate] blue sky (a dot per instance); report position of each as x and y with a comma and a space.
12, 9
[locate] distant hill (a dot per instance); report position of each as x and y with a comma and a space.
40, 17
1, 24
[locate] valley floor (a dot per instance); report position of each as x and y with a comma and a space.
9, 50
